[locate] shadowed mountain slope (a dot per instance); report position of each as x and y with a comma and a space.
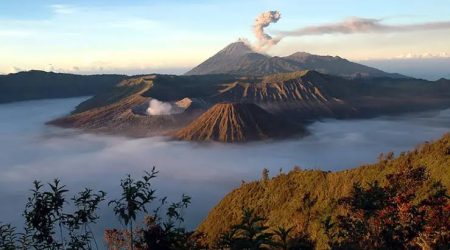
226, 60
298, 95
288, 87
239, 59
36, 84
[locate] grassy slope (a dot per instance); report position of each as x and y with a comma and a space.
280, 199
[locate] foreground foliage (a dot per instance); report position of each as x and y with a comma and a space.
406, 208
391, 217
47, 223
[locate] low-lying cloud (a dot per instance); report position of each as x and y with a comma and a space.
35, 151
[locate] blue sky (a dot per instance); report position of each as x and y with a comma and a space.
143, 36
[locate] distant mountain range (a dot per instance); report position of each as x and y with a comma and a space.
239, 59
35, 84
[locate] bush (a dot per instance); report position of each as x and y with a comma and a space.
393, 216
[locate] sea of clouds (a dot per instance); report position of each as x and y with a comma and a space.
30, 150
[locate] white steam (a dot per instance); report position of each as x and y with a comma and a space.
263, 21
157, 107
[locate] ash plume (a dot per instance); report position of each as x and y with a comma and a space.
263, 21
358, 25
352, 25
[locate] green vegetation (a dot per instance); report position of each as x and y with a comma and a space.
48, 224
397, 203
54, 222
135, 196
303, 199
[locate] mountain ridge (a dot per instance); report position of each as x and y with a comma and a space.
298, 97
238, 58
36, 84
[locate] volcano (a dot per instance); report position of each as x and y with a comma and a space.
240, 59
237, 122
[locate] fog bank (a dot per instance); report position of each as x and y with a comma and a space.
30, 150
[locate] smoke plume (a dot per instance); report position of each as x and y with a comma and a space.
263, 21
157, 107
352, 25
357, 25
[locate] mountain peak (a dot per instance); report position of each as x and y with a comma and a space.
238, 48
224, 61
236, 122
300, 54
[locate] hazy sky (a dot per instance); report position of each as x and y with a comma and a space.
84, 36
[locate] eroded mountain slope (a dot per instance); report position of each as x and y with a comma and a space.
237, 122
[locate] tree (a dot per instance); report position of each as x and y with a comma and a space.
136, 195
7, 237
80, 234
47, 223
283, 237
159, 232
43, 213
265, 174
250, 233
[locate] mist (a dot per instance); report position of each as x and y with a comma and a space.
30, 150
425, 68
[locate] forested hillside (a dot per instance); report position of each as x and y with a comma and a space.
303, 199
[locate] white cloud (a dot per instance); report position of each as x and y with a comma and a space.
62, 9
423, 55
410, 55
